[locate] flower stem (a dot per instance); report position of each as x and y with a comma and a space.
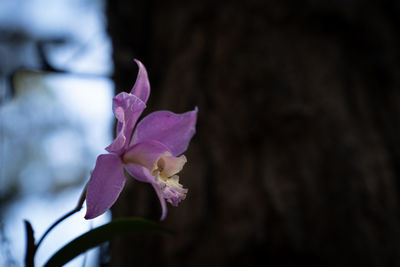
76, 209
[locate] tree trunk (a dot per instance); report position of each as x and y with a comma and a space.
296, 159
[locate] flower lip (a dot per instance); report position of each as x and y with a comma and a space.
169, 165
172, 190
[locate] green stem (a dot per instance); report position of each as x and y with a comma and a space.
76, 209
54, 225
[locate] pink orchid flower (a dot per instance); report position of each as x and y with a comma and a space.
152, 154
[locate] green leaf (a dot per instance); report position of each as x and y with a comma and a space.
101, 234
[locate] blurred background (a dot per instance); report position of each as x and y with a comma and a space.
55, 117
296, 157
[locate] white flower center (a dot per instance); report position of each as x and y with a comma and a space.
165, 171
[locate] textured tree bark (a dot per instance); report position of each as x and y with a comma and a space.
296, 160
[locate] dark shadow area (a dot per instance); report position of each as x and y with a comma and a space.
296, 160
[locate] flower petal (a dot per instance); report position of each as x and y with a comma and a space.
139, 172
143, 174
173, 130
127, 109
141, 88
146, 153
164, 209
105, 185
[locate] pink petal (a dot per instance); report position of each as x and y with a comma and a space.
105, 185
164, 209
141, 88
127, 108
139, 172
146, 153
173, 130
143, 174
